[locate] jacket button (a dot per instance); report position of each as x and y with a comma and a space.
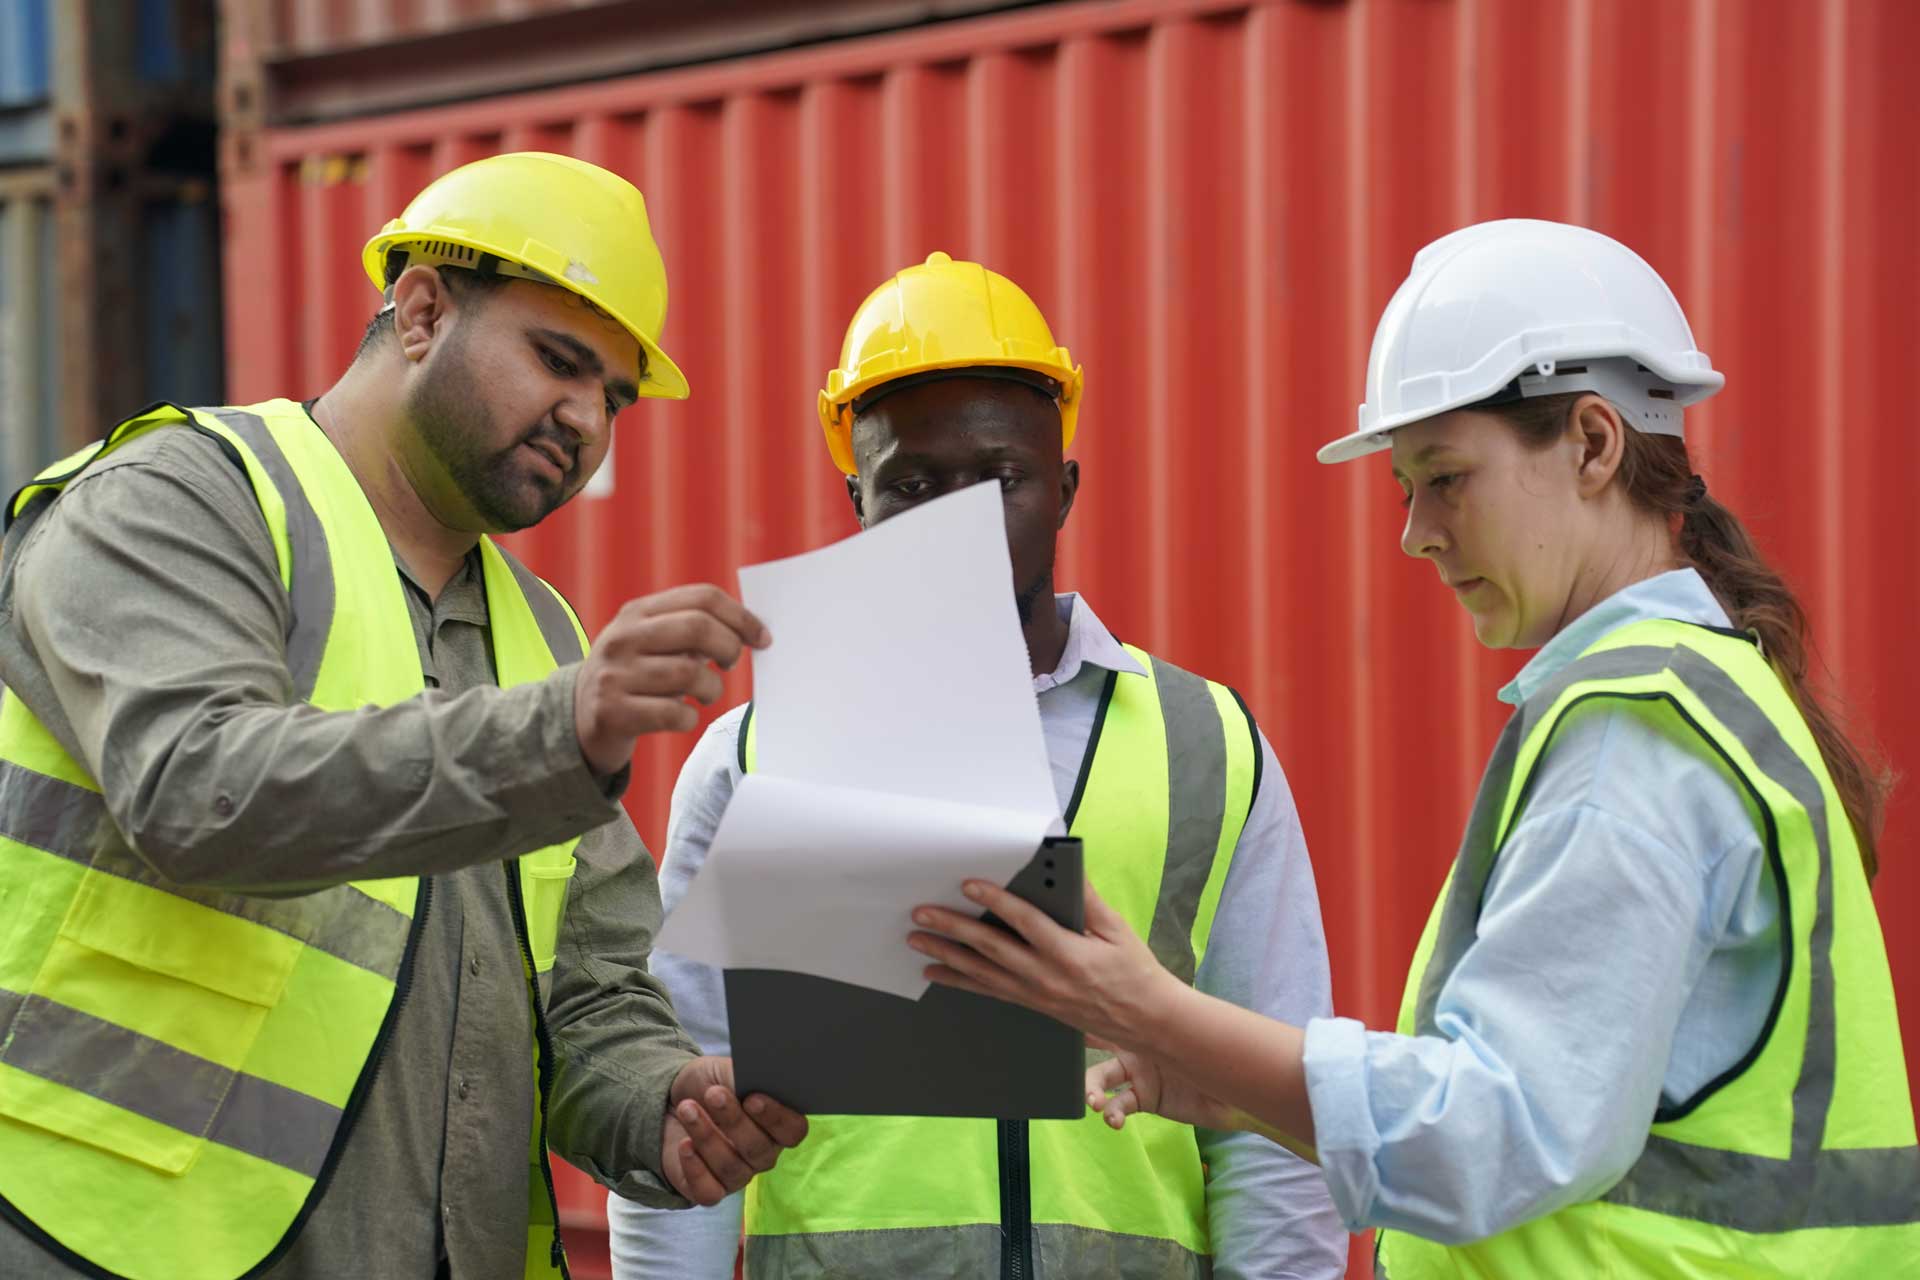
463, 1088
473, 966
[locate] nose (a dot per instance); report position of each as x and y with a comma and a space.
584, 415
1424, 536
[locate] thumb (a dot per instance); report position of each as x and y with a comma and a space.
699, 1074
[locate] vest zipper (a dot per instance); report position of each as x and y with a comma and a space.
1016, 1202
557, 1253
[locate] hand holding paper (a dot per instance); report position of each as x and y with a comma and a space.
897, 695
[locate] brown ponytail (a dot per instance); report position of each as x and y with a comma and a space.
1659, 477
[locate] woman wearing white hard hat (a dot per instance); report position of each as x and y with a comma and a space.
1650, 1027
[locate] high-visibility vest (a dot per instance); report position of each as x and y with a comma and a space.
180, 1067
1798, 1161
1171, 770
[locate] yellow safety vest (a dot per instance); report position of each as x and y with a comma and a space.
1798, 1162
180, 1067
1171, 770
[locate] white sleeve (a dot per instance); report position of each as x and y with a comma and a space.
1269, 1211
697, 1243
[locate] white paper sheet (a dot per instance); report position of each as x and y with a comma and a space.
899, 751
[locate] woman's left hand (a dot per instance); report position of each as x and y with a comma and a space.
1105, 981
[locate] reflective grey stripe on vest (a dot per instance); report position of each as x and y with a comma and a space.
311, 592
556, 628
165, 1084
1063, 1252
972, 1250
49, 813
1196, 809
1811, 1187
1059, 1253
57, 817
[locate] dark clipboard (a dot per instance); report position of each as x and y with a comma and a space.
831, 1048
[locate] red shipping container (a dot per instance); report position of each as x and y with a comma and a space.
1212, 201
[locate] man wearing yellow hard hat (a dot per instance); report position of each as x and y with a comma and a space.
323, 922
949, 377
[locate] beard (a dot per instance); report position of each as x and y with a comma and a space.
1029, 595
455, 425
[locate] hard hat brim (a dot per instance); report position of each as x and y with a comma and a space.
836, 410
663, 379
1691, 386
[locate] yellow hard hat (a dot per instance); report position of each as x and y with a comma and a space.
942, 315
553, 219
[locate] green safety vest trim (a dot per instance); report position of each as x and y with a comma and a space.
179, 1067
1171, 770
1705, 1200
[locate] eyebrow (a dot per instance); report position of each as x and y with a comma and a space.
1420, 457
590, 360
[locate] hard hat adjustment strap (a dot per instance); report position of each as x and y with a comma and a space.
1037, 382
1645, 398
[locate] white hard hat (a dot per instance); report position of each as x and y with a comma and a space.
1520, 308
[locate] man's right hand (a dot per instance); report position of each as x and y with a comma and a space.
649, 664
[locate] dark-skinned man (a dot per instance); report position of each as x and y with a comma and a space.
323, 922
950, 377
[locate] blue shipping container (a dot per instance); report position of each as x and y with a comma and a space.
26, 57
29, 318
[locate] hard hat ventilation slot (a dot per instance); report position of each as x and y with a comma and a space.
1660, 393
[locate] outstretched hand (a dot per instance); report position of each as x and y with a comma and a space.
1105, 981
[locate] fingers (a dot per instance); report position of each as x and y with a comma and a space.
711, 600
976, 951
684, 1169
752, 1143
634, 633
1103, 1078
713, 1148
1004, 949
782, 1123
954, 978
673, 675
1110, 1091
1025, 919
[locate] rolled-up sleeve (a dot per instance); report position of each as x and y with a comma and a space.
698, 1243
1268, 1210
145, 625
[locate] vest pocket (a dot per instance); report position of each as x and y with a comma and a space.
544, 881
138, 1020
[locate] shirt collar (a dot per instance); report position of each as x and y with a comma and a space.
1680, 594
463, 598
1089, 643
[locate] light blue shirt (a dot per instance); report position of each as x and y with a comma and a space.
1627, 954
1268, 1211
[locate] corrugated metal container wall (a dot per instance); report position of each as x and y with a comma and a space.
297, 63
179, 273
1213, 201
29, 365
26, 55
